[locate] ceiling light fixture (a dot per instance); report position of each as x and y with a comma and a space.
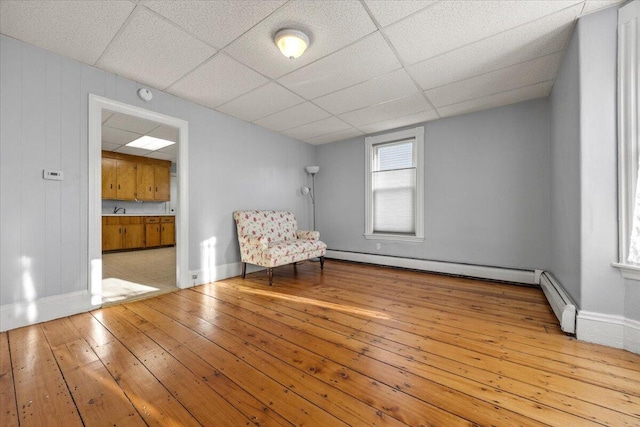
150, 143
292, 43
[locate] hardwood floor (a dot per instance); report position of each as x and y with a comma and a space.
354, 345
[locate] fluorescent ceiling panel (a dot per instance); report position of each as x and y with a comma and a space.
150, 143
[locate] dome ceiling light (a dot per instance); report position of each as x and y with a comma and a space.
292, 43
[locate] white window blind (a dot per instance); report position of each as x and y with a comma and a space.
394, 199
394, 188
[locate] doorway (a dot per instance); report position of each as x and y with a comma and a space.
120, 122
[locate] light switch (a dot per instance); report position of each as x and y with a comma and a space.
52, 174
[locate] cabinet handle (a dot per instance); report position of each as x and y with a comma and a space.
118, 186
149, 189
163, 228
119, 230
111, 186
156, 189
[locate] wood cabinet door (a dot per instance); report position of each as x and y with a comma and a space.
145, 182
109, 182
111, 237
162, 178
167, 234
133, 236
126, 176
152, 237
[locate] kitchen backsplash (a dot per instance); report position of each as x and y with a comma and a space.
108, 206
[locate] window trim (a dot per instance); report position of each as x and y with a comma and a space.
628, 154
417, 134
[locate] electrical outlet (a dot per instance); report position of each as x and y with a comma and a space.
194, 276
378, 246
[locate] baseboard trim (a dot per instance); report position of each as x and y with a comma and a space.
601, 328
530, 277
20, 314
220, 272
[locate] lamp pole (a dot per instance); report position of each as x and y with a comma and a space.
313, 170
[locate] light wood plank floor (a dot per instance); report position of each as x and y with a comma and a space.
354, 345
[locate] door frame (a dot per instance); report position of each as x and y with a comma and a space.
96, 105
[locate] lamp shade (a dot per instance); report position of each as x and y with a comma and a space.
292, 43
313, 169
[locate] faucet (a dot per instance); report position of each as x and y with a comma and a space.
117, 209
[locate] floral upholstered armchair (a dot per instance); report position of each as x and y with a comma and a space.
271, 238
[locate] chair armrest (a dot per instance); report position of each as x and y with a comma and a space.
308, 235
261, 242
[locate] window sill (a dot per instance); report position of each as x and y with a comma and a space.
628, 271
396, 237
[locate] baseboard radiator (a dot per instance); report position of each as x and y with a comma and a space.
562, 305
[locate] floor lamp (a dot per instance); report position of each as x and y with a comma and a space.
313, 170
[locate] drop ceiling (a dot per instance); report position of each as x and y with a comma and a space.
372, 65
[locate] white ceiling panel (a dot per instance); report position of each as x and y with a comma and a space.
398, 122
153, 51
217, 81
387, 110
165, 132
521, 75
335, 136
256, 104
171, 149
105, 115
357, 63
107, 146
322, 127
448, 25
161, 155
387, 12
530, 41
131, 123
594, 5
132, 150
330, 25
77, 30
539, 90
393, 85
295, 116
118, 136
217, 22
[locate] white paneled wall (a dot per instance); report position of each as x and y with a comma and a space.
43, 224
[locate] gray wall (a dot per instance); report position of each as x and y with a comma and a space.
487, 198
43, 224
564, 122
602, 286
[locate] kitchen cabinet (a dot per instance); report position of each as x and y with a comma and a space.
153, 183
122, 233
152, 231
167, 231
127, 177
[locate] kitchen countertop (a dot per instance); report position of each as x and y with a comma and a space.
140, 214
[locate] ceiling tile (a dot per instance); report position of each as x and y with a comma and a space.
152, 51
105, 115
521, 75
448, 25
217, 81
107, 146
538, 90
387, 110
398, 122
295, 116
132, 150
380, 89
335, 136
77, 30
165, 132
131, 123
218, 22
322, 127
171, 149
533, 40
265, 100
359, 62
593, 5
118, 136
330, 24
387, 12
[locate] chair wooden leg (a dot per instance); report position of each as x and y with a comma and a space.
321, 263
244, 269
270, 274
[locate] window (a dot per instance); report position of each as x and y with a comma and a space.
394, 186
628, 148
